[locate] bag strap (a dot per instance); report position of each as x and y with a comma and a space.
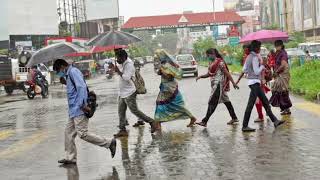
74, 84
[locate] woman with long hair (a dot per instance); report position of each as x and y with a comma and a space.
170, 104
254, 68
220, 85
280, 88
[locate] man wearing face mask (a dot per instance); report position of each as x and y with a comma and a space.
127, 94
77, 94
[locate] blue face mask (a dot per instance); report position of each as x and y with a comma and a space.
61, 74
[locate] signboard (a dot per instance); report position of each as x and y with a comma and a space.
238, 5
102, 9
32, 17
78, 41
24, 43
4, 34
234, 41
233, 32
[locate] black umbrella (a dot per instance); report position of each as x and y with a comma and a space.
113, 38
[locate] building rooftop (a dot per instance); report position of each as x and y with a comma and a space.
186, 19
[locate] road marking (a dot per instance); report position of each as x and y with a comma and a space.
23, 145
309, 107
5, 134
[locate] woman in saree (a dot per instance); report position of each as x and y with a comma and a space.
220, 85
280, 88
170, 104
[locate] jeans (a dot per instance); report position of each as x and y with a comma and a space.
257, 91
213, 103
131, 103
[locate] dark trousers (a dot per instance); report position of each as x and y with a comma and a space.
213, 103
130, 102
257, 91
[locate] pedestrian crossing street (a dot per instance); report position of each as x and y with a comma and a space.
27, 143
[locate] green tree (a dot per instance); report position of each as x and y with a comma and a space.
295, 39
151, 42
201, 45
272, 27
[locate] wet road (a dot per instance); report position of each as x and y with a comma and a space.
32, 139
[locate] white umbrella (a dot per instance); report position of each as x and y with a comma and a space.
53, 52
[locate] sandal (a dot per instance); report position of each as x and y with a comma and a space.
232, 121
202, 124
258, 120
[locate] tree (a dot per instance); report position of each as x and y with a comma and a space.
151, 42
168, 41
201, 45
272, 27
295, 39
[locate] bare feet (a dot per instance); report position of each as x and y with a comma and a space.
192, 122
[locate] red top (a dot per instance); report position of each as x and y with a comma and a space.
271, 60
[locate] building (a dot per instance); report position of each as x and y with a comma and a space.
249, 10
71, 13
27, 23
293, 16
188, 26
87, 18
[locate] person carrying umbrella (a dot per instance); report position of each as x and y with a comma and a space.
127, 94
254, 69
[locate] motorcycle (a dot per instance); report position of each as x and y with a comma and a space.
110, 71
109, 74
35, 88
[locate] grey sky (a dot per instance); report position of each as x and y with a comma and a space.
131, 8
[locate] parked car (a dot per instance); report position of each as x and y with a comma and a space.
140, 60
149, 59
295, 52
313, 48
187, 64
86, 67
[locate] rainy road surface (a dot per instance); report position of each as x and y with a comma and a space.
32, 140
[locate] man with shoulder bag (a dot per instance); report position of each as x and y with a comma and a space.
81, 105
130, 85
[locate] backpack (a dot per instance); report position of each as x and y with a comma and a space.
91, 100
138, 82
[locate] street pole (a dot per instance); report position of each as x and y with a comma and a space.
213, 8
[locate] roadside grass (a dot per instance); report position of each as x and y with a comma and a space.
305, 80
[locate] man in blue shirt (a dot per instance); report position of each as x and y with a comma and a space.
77, 94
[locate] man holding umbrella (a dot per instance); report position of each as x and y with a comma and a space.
77, 94
127, 94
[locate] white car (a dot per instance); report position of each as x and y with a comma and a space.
187, 64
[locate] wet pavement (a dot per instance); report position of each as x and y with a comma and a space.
32, 139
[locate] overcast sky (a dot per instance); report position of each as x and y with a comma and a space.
131, 8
